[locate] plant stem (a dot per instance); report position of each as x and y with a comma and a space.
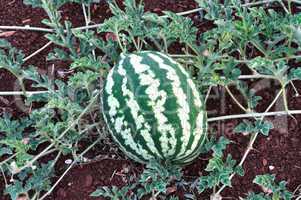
119, 41
274, 101
20, 93
4, 177
37, 51
235, 100
56, 159
243, 5
87, 21
284, 7
29, 28
295, 89
259, 47
256, 76
289, 2
189, 12
208, 93
284, 96
258, 3
85, 14
248, 115
134, 41
288, 57
182, 55
69, 168
47, 30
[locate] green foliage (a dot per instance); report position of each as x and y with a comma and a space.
53, 124
15, 190
153, 181
249, 95
11, 60
157, 177
113, 193
217, 146
219, 170
253, 196
88, 63
275, 191
137, 29
56, 3
180, 28
258, 126
219, 173
37, 178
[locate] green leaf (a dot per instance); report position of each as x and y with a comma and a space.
179, 28
88, 63
239, 170
248, 94
4, 43
263, 127
104, 191
253, 196
5, 151
279, 191
244, 127
216, 163
15, 189
220, 146
39, 179
295, 74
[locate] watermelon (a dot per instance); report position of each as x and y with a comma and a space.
153, 109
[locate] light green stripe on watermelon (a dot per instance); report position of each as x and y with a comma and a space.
167, 120
148, 79
154, 109
198, 117
143, 128
132, 112
171, 106
183, 109
122, 127
196, 94
189, 157
196, 114
111, 107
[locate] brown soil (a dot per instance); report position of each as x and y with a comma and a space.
278, 154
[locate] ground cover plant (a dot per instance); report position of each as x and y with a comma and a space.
225, 46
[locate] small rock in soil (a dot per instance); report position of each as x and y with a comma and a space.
88, 180
264, 162
68, 161
61, 193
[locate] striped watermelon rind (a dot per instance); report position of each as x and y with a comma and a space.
153, 109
